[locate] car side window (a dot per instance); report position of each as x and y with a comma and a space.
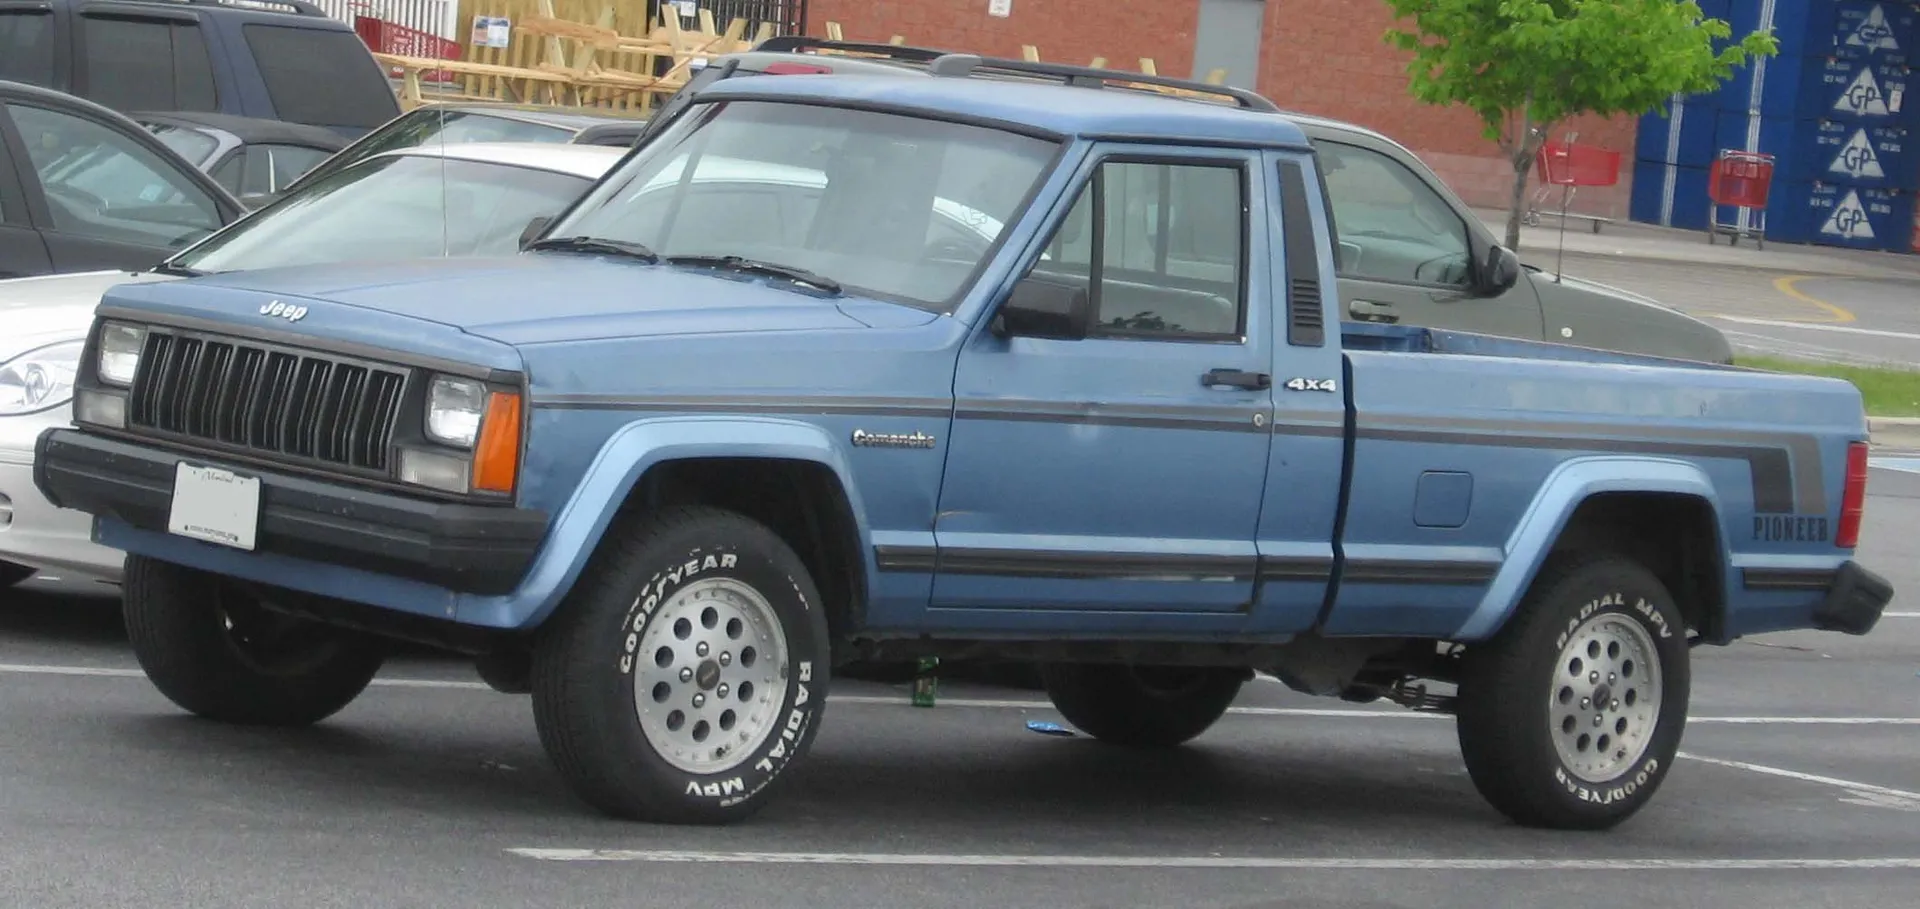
103, 185
26, 46
270, 167
1393, 226
134, 64
1172, 241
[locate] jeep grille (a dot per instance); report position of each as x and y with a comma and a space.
263, 399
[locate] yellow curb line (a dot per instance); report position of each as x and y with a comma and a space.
1786, 286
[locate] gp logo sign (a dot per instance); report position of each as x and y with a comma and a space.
1873, 32
1863, 97
1857, 159
1849, 219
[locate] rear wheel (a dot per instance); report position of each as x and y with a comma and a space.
1147, 706
212, 649
1571, 715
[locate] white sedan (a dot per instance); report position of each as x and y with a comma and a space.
466, 199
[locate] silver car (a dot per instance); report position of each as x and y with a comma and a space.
470, 199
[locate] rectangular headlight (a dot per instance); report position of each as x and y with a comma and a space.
120, 346
454, 409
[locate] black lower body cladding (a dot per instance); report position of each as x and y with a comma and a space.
484, 549
1854, 602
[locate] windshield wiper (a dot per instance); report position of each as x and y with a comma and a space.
739, 263
597, 245
178, 271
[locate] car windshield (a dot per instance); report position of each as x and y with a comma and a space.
192, 144
898, 207
437, 125
388, 208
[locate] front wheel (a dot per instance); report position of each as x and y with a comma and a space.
687, 670
217, 652
1144, 706
1570, 717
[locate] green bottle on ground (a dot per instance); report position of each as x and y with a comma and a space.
924, 682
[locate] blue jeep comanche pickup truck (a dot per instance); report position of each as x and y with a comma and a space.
1021, 362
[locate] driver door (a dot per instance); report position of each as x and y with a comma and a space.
1404, 254
101, 199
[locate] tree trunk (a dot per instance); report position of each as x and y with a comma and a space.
1517, 205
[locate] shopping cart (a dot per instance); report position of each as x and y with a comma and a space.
1740, 179
1568, 166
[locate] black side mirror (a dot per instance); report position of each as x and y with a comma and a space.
533, 229
1498, 270
1039, 308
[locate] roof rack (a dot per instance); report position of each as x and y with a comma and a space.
787, 44
290, 7
966, 65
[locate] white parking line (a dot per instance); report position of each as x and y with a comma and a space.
1821, 326
1386, 713
1862, 793
1202, 861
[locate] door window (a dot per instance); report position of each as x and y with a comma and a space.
103, 185
146, 64
1393, 226
321, 77
1172, 250
26, 46
266, 168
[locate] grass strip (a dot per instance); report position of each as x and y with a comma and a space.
1886, 391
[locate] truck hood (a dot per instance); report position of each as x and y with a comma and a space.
48, 309
538, 298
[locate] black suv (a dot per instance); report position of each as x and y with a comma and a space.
269, 59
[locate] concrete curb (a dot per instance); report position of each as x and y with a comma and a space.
1894, 432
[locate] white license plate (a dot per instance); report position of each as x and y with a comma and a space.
215, 505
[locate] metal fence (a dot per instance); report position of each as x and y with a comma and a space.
435, 17
789, 17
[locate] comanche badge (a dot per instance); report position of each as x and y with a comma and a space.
915, 439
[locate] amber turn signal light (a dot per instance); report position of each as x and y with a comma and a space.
496, 455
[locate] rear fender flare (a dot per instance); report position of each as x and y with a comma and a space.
1570, 484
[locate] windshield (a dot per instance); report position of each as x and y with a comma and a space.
898, 207
429, 124
396, 207
191, 144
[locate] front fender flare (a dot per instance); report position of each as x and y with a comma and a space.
1570, 484
625, 457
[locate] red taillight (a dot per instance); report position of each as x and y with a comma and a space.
1853, 502
793, 69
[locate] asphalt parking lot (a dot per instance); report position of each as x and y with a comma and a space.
1836, 318
1799, 787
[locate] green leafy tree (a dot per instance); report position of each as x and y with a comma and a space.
1525, 66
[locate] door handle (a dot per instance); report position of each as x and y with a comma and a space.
1372, 311
1237, 378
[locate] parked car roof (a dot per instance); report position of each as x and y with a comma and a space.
588, 161
575, 118
250, 130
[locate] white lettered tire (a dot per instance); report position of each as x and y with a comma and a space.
687, 670
1570, 716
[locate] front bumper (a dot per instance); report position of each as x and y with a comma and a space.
33, 532
464, 548
1854, 601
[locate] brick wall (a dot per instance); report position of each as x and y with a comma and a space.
1322, 57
